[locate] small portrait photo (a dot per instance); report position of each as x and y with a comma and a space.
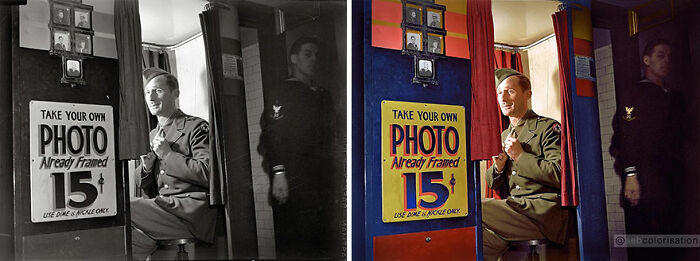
413, 14
61, 40
414, 40
435, 43
61, 14
73, 68
83, 18
83, 43
434, 17
425, 68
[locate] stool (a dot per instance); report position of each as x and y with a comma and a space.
532, 245
180, 243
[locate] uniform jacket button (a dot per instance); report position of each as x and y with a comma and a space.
513, 173
517, 186
162, 172
166, 186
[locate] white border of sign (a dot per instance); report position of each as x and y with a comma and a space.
72, 163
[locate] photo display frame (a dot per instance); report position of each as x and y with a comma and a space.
71, 28
72, 71
423, 37
424, 71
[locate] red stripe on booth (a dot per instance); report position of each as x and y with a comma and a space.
386, 37
448, 244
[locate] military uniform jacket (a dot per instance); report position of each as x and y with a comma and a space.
179, 182
533, 182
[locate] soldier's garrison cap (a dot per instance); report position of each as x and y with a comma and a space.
503, 73
153, 72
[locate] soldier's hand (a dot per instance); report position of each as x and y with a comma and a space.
499, 161
280, 187
161, 146
147, 162
512, 147
632, 190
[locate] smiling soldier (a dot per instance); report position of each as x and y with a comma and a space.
174, 174
528, 168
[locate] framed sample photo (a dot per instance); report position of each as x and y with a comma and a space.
83, 17
435, 43
60, 14
83, 43
413, 40
72, 71
413, 14
424, 71
60, 40
435, 18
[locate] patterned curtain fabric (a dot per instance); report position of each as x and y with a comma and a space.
133, 121
485, 129
569, 189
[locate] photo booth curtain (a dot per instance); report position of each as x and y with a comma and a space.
133, 119
503, 59
569, 193
209, 21
485, 129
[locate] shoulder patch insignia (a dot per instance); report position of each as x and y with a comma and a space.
628, 116
276, 111
205, 126
556, 127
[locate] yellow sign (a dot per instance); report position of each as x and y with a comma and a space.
424, 168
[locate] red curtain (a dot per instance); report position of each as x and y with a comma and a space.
569, 193
484, 129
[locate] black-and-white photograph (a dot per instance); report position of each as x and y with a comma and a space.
434, 18
414, 40
83, 18
73, 68
425, 68
435, 43
61, 40
61, 14
83, 43
413, 14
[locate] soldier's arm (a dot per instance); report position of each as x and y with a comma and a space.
544, 169
147, 179
193, 169
494, 179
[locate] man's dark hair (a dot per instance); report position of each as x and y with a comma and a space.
296, 46
649, 48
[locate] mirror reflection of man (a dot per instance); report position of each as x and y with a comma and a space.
59, 45
412, 44
425, 69
646, 144
528, 169
174, 175
73, 69
297, 146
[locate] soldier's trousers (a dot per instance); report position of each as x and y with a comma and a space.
501, 224
150, 223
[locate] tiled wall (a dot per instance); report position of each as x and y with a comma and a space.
261, 183
606, 107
